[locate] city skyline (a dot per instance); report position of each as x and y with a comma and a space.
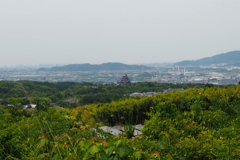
130, 32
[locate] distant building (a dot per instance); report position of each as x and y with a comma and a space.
69, 101
172, 90
144, 94
125, 81
30, 106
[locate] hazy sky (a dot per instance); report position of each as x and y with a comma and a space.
127, 31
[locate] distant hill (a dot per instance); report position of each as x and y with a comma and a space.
229, 58
97, 67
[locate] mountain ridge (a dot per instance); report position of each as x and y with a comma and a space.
228, 58
95, 67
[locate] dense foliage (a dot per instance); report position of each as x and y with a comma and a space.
193, 124
82, 93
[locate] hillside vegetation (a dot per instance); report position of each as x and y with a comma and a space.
82, 93
198, 123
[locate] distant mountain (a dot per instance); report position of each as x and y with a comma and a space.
97, 67
229, 58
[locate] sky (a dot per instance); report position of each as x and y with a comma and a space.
126, 31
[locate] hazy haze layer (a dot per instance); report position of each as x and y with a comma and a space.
131, 32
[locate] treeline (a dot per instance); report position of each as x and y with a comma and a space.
82, 93
198, 123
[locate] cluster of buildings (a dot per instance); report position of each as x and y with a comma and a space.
217, 76
207, 74
154, 93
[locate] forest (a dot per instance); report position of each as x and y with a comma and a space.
82, 93
202, 122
